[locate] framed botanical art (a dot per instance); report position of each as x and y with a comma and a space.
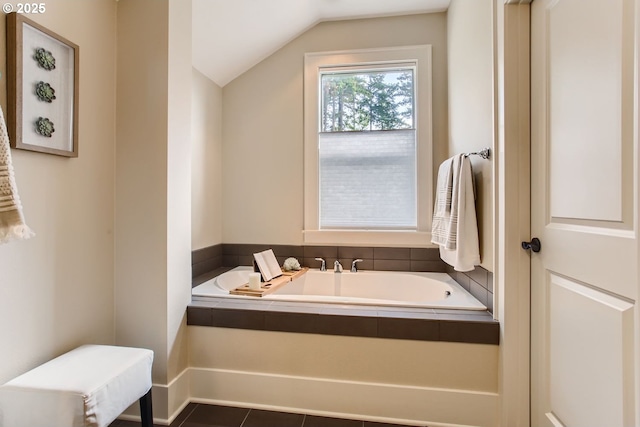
42, 88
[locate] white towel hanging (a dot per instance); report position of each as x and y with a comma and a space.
455, 227
12, 225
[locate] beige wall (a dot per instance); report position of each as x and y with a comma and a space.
206, 162
153, 186
471, 94
178, 186
262, 197
141, 175
56, 289
96, 255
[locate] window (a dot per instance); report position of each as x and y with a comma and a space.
368, 146
367, 149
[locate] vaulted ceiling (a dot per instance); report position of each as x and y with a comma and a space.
231, 36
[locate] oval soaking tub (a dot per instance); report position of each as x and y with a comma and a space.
382, 288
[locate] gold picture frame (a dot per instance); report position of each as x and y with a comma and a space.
42, 88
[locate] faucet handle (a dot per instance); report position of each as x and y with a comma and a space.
354, 269
323, 266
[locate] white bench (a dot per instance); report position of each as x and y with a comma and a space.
86, 387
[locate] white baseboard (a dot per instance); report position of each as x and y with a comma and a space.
178, 395
386, 403
168, 401
390, 403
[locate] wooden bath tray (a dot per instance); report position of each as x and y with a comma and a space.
270, 286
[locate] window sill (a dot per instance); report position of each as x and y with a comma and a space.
414, 239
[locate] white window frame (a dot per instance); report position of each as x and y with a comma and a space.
314, 63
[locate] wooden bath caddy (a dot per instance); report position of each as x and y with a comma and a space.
270, 286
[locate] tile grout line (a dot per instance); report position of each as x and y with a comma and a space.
245, 417
187, 417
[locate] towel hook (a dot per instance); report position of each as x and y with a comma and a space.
485, 153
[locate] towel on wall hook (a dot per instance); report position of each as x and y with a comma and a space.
12, 225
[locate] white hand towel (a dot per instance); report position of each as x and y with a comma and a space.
443, 227
12, 225
455, 227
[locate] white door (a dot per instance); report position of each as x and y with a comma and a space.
584, 285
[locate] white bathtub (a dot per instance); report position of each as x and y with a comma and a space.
385, 288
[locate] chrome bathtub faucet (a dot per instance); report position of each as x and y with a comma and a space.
323, 266
337, 267
354, 269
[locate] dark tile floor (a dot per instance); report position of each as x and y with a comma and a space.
198, 415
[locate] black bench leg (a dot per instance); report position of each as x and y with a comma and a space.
146, 410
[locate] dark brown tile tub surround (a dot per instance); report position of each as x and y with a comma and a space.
211, 261
367, 321
205, 260
235, 254
479, 283
393, 259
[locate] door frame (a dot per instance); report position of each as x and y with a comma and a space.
512, 207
